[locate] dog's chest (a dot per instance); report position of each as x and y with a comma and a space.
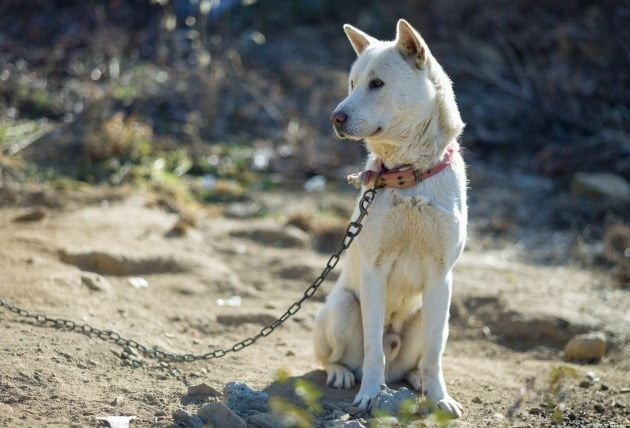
407, 227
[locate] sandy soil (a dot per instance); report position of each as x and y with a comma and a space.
509, 322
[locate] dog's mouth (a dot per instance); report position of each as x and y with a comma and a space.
342, 134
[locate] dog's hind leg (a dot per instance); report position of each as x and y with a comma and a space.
338, 338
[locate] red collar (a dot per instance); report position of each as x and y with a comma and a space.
402, 176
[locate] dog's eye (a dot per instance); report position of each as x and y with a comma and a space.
376, 83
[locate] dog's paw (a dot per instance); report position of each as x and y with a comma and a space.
448, 405
364, 399
339, 376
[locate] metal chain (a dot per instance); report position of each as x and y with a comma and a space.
352, 231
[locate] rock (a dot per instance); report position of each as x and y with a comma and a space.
585, 347
263, 420
535, 411
218, 415
34, 214
286, 237
476, 400
95, 282
388, 400
600, 408
585, 384
203, 389
601, 185
604, 387
243, 400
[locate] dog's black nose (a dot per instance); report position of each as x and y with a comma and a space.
338, 118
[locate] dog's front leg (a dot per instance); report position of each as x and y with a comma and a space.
436, 300
372, 300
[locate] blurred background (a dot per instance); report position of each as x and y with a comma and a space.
215, 101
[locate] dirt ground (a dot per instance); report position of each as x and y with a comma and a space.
504, 311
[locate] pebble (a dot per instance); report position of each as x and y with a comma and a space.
585, 347
476, 400
585, 384
218, 415
604, 387
600, 408
535, 411
592, 376
203, 389
243, 400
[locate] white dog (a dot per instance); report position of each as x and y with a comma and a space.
386, 320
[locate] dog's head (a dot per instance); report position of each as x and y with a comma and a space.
397, 91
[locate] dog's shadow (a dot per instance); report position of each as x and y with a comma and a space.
330, 398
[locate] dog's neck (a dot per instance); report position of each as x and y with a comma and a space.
423, 148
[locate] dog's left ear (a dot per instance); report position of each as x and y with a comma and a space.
410, 43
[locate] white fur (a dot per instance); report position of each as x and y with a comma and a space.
386, 320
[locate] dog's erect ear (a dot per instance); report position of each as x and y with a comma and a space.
358, 39
410, 43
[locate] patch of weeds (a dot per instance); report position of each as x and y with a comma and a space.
555, 395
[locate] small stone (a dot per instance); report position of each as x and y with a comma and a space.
95, 282
34, 214
290, 354
600, 408
218, 415
535, 411
624, 390
138, 282
184, 419
585, 384
243, 400
203, 389
592, 376
604, 387
476, 400
585, 347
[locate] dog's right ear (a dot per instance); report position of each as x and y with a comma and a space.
358, 39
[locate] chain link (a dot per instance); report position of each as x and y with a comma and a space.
352, 231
